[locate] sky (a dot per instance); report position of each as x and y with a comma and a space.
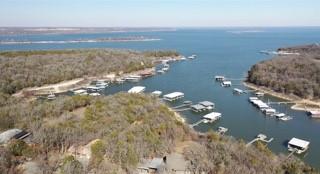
158, 13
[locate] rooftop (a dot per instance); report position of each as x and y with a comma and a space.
299, 143
206, 103
174, 95
137, 89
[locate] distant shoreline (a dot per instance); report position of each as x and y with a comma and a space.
101, 40
300, 104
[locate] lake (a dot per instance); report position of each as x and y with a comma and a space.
221, 51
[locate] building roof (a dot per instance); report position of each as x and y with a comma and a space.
226, 82
174, 95
197, 107
137, 89
213, 115
206, 103
299, 143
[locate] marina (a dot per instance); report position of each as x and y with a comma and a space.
230, 56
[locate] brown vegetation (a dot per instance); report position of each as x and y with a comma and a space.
297, 75
21, 69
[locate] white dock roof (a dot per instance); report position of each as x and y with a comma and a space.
299, 143
206, 103
137, 89
173, 95
213, 115
157, 92
226, 82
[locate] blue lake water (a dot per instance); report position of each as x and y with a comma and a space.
219, 52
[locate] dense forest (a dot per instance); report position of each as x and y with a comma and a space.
297, 75
128, 128
21, 69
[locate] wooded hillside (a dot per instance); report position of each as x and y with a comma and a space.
21, 69
291, 74
129, 127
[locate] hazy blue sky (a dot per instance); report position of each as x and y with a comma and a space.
137, 13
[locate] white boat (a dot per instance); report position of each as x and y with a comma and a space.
259, 94
51, 96
94, 94
226, 84
183, 58
279, 115
285, 118
156, 93
297, 145
222, 130
238, 91
161, 71
165, 69
133, 78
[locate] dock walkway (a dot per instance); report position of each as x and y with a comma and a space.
197, 123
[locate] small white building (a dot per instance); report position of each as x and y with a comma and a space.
137, 89
173, 96
219, 78
298, 145
211, 117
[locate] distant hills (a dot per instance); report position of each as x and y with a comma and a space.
74, 30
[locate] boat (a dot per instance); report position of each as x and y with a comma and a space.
160, 71
285, 118
226, 84
238, 91
259, 94
165, 69
51, 96
314, 113
219, 78
298, 145
183, 58
279, 115
94, 94
222, 130
187, 102
156, 93
133, 78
